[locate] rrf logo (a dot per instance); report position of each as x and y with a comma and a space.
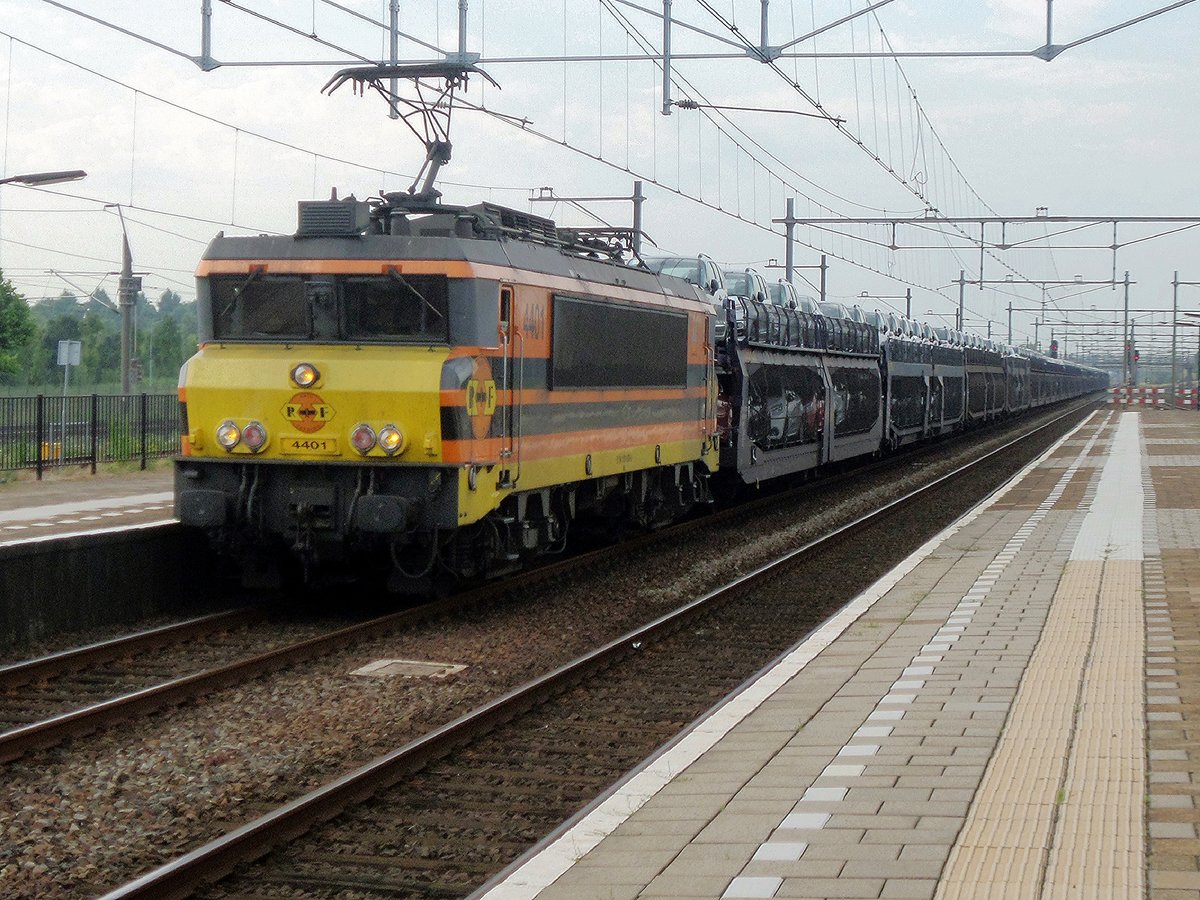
481, 397
307, 411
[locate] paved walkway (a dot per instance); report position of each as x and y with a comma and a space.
1009, 713
59, 506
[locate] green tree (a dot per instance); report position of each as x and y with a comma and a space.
169, 303
16, 330
101, 353
65, 304
100, 303
166, 349
61, 328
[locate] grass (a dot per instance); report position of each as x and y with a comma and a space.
75, 472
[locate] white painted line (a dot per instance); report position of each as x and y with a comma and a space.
804, 820
753, 886
859, 750
780, 851
1115, 531
834, 770
53, 510
873, 731
824, 795
46, 538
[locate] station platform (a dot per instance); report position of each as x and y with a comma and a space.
66, 503
1010, 713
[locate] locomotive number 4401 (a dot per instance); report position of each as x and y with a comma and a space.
298, 443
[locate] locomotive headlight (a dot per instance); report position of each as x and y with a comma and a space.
391, 440
362, 438
305, 375
228, 434
254, 436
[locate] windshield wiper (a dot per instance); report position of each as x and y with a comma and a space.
237, 292
412, 290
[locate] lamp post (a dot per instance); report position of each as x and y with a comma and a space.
42, 179
127, 290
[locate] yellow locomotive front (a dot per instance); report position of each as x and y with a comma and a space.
370, 391
313, 409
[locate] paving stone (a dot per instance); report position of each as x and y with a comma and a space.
905, 806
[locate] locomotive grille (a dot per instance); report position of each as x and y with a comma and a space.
332, 218
523, 222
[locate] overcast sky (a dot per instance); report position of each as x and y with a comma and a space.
1108, 128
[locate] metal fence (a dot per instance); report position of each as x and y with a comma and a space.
44, 432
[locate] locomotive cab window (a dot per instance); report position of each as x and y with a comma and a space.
255, 306
395, 307
387, 308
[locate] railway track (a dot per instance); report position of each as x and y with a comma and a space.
441, 814
74, 693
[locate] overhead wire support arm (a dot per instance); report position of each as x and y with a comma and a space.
1050, 51
692, 104
208, 62
830, 26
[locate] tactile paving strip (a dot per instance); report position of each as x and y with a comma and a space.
1059, 811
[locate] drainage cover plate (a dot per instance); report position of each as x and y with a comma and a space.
409, 668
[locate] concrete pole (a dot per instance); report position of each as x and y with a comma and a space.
908, 303
394, 48
1126, 339
666, 60
1010, 323
1132, 352
1174, 333
206, 60
962, 287
789, 253
638, 198
125, 302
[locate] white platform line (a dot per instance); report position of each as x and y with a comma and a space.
52, 510
91, 532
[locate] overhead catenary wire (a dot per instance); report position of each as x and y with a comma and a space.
308, 151
755, 163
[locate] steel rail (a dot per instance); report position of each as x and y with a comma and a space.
42, 667
18, 741
181, 877
39, 735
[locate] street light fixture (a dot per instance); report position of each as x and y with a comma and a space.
39, 179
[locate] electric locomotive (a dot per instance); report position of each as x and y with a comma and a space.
446, 388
